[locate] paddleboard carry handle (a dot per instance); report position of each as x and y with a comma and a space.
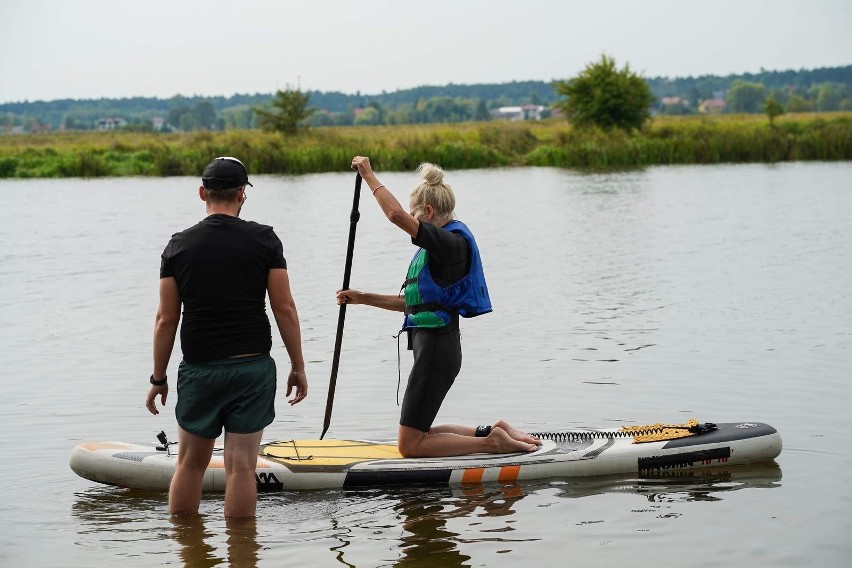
703, 428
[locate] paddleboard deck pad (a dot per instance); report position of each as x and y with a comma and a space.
294, 465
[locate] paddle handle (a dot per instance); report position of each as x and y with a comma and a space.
354, 216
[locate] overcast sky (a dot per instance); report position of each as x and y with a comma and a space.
54, 49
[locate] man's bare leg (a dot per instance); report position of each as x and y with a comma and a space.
240, 463
194, 455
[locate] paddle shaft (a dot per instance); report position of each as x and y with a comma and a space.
338, 340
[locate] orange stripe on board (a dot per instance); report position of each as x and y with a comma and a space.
94, 446
219, 463
509, 473
473, 476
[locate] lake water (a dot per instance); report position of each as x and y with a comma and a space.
721, 293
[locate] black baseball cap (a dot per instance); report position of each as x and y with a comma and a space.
224, 173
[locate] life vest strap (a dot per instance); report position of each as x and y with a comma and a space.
428, 307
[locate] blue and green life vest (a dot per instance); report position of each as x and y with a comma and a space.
428, 304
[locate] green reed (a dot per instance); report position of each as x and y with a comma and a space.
701, 141
667, 140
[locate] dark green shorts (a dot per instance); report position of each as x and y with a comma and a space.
235, 394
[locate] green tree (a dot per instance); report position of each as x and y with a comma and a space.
797, 103
745, 97
779, 95
240, 118
188, 122
204, 114
829, 97
321, 118
138, 125
678, 108
8, 122
695, 98
179, 117
286, 113
346, 118
380, 111
367, 116
772, 109
71, 122
481, 113
404, 114
447, 109
602, 95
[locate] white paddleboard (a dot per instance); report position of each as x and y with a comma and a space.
326, 464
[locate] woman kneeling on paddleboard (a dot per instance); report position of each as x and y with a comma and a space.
445, 280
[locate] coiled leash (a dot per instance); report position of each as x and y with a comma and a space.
640, 434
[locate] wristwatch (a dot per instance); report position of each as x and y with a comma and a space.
159, 383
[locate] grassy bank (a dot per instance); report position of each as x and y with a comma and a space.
667, 140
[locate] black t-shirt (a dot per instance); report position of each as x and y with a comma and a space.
449, 253
221, 266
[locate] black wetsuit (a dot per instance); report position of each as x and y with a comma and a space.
437, 351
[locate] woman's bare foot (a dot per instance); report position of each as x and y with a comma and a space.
503, 443
516, 434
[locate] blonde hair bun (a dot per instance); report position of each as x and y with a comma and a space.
431, 174
433, 191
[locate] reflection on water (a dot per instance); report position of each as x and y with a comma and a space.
190, 534
120, 522
134, 521
340, 548
105, 509
707, 484
197, 546
426, 539
430, 526
425, 515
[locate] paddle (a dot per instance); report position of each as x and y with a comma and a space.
335, 362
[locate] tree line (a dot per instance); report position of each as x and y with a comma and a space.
825, 89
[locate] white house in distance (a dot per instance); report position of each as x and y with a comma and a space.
711, 106
525, 112
110, 123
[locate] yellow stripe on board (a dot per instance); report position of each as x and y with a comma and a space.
320, 453
660, 432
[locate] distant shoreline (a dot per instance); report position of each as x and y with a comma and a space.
667, 140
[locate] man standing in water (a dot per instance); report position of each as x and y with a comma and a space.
220, 270
445, 280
